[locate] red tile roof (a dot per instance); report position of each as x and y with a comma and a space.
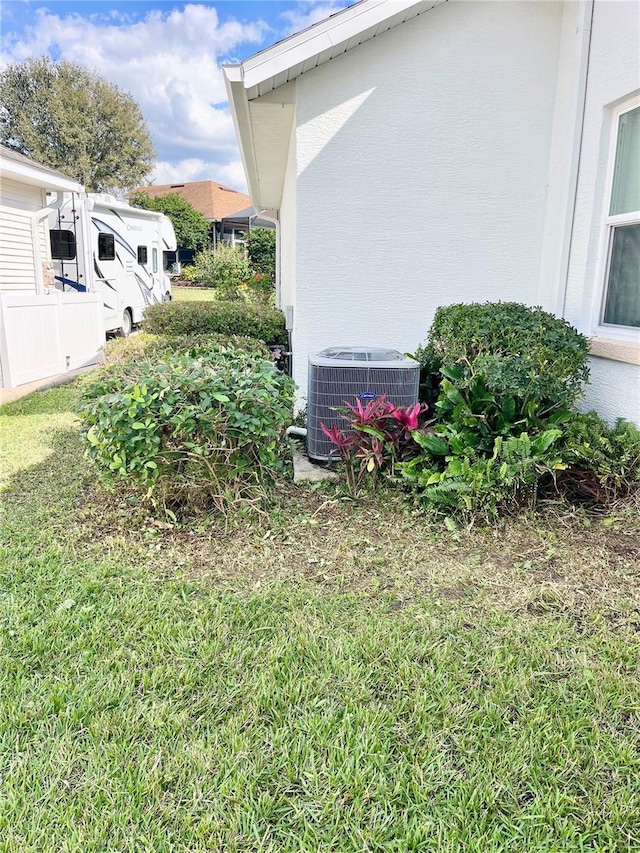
213, 200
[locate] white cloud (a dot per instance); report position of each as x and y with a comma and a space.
307, 13
194, 169
169, 62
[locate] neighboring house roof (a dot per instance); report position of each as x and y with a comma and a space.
263, 127
20, 168
213, 200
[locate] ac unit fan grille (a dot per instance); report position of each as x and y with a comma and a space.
331, 387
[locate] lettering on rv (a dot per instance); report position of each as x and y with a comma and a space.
134, 227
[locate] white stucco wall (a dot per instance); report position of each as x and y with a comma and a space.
288, 236
613, 391
614, 76
422, 163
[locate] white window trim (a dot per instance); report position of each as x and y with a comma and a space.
600, 330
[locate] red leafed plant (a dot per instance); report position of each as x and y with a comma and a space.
380, 433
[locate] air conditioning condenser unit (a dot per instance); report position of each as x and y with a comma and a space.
342, 374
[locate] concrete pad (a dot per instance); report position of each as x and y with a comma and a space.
306, 471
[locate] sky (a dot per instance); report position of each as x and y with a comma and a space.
168, 56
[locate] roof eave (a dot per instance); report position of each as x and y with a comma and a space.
239, 105
265, 70
34, 176
282, 63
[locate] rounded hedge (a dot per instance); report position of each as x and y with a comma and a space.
189, 432
217, 317
518, 351
146, 346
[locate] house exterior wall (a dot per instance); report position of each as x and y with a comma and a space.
18, 256
288, 235
422, 160
614, 76
564, 153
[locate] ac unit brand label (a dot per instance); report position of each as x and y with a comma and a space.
367, 395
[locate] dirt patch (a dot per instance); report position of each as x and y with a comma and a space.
380, 546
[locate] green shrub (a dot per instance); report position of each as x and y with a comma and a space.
502, 379
189, 433
259, 289
602, 462
222, 318
261, 248
225, 268
145, 346
523, 357
189, 273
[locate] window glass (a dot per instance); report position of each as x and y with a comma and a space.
63, 244
106, 247
142, 254
625, 195
622, 306
154, 259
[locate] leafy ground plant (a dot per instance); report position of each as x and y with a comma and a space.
380, 434
602, 461
505, 379
344, 678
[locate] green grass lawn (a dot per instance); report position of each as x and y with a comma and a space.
192, 294
347, 677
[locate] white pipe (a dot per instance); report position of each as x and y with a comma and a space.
294, 430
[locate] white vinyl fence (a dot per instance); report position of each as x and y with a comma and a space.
42, 335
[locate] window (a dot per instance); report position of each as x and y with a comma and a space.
142, 254
106, 247
622, 283
154, 259
63, 244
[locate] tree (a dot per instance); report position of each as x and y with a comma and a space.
261, 248
192, 229
68, 118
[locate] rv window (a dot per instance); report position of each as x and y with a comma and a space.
142, 254
106, 247
63, 245
154, 259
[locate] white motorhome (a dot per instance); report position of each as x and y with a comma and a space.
102, 245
